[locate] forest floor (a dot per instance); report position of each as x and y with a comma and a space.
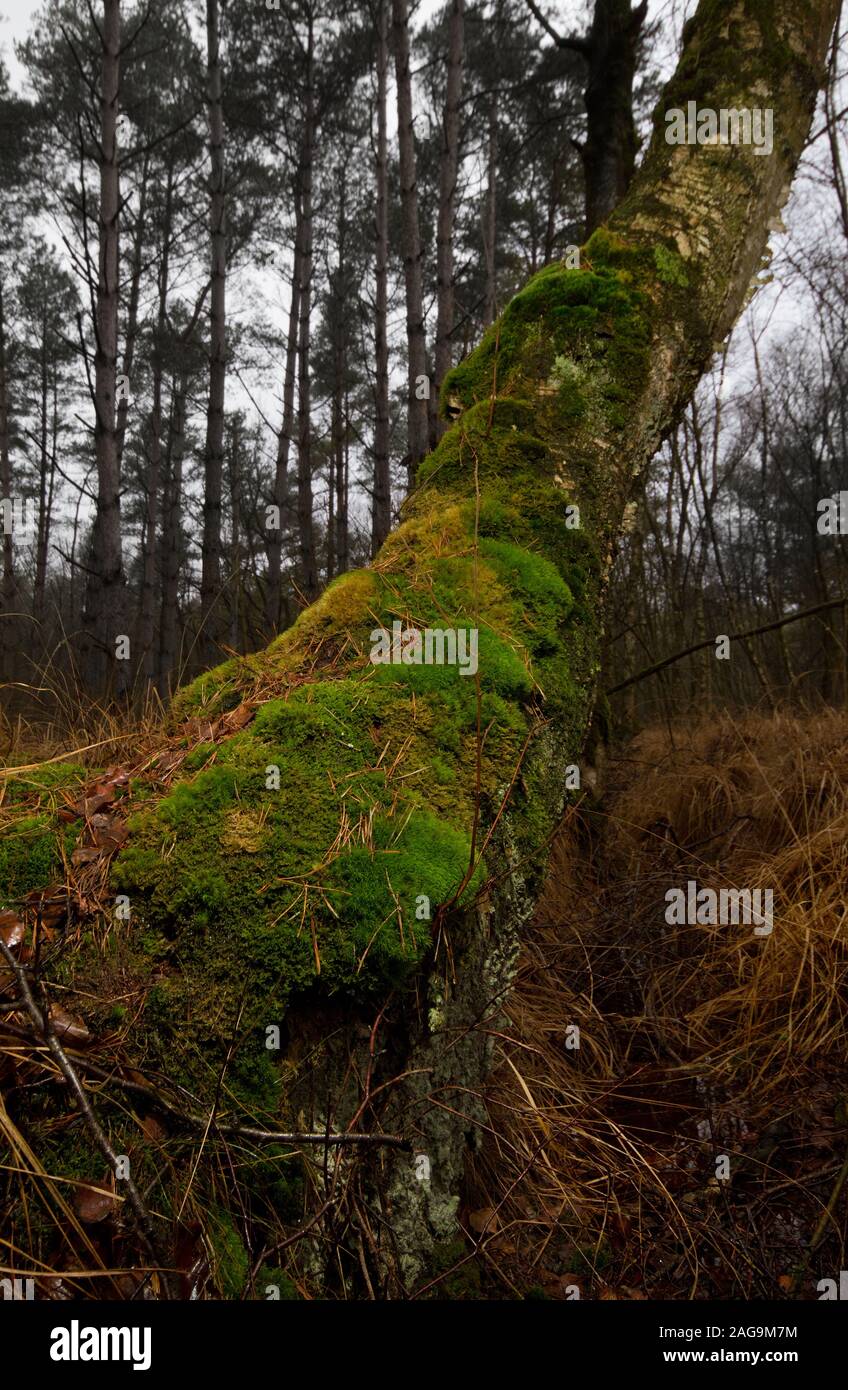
695, 1143
669, 1110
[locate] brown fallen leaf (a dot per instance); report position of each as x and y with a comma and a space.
236, 718
93, 1204
484, 1220
153, 1129
85, 856
108, 832
12, 930
166, 763
199, 730
51, 906
67, 1028
112, 777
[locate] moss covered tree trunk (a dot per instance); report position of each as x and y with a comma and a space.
352, 852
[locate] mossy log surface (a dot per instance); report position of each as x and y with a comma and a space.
304, 904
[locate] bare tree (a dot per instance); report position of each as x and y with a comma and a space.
381, 505
210, 580
104, 613
610, 51
448, 171
417, 409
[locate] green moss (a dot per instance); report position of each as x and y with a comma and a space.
579, 335
31, 854
211, 694
230, 1259
543, 594
43, 784
462, 1281
670, 267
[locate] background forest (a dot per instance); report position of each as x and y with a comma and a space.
318, 210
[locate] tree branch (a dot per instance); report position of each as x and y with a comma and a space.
733, 637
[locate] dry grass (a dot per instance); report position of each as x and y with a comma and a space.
51, 719
694, 1041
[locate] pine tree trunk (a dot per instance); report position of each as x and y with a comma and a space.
308, 568
8, 582
104, 615
381, 504
418, 429
44, 470
281, 476
171, 534
489, 217
136, 268
147, 613
609, 153
448, 170
213, 469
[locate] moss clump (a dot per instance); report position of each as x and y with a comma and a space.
31, 855
33, 842
564, 317
670, 267
229, 1257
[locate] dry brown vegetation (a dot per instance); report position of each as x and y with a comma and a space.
600, 1171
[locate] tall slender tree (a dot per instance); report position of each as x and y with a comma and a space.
213, 465
104, 614
418, 384
381, 502
448, 172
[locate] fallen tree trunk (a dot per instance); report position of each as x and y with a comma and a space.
334, 886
